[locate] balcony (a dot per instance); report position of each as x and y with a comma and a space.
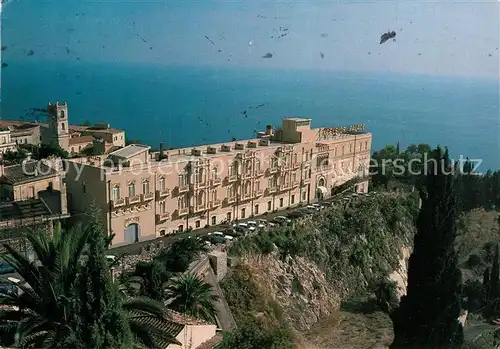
305, 181
215, 203
216, 181
258, 193
183, 188
133, 199
162, 193
246, 196
323, 168
296, 165
232, 178
295, 184
273, 169
259, 172
118, 203
200, 185
246, 175
183, 211
147, 197
231, 200
162, 217
247, 155
199, 208
272, 190
283, 187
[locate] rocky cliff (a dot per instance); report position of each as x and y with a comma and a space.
298, 277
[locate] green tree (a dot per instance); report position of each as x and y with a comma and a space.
44, 299
427, 315
181, 254
47, 150
190, 295
150, 278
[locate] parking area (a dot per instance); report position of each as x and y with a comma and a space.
220, 234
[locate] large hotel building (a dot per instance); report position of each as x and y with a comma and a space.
144, 194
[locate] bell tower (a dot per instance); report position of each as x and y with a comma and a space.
57, 120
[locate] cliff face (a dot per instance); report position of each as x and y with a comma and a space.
305, 273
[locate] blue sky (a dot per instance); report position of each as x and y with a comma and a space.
453, 38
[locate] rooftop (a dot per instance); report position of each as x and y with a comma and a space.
293, 118
26, 172
80, 140
23, 209
130, 151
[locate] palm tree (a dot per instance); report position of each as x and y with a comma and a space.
43, 301
47, 304
148, 279
181, 253
190, 295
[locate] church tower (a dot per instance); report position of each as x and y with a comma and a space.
57, 119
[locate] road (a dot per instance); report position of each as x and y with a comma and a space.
136, 248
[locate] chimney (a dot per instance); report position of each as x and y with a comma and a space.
269, 130
161, 151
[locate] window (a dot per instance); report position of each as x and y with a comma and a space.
162, 232
257, 165
243, 213
228, 216
145, 187
256, 210
197, 224
214, 173
162, 207
131, 189
343, 150
350, 148
161, 184
366, 145
214, 220
63, 126
303, 196
180, 228
62, 116
292, 199
269, 205
116, 193
281, 202
295, 158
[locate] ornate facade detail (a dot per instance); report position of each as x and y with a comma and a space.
131, 220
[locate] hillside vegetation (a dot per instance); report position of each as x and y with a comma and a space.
294, 277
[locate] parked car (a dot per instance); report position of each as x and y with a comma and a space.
282, 220
233, 232
228, 238
256, 224
296, 214
246, 226
317, 206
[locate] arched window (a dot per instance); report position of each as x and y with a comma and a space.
162, 206
131, 189
214, 195
214, 173
63, 126
145, 187
161, 183
116, 193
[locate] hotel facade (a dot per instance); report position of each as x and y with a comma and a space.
145, 195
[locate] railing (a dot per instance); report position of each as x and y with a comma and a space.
305, 181
163, 193
258, 193
232, 178
296, 165
216, 181
133, 199
199, 208
246, 175
183, 211
231, 200
273, 169
284, 186
247, 155
183, 188
214, 203
118, 202
162, 217
200, 185
246, 196
271, 190
147, 197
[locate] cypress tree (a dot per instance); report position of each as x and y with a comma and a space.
428, 315
102, 323
495, 275
486, 284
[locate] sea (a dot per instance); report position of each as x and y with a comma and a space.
183, 105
